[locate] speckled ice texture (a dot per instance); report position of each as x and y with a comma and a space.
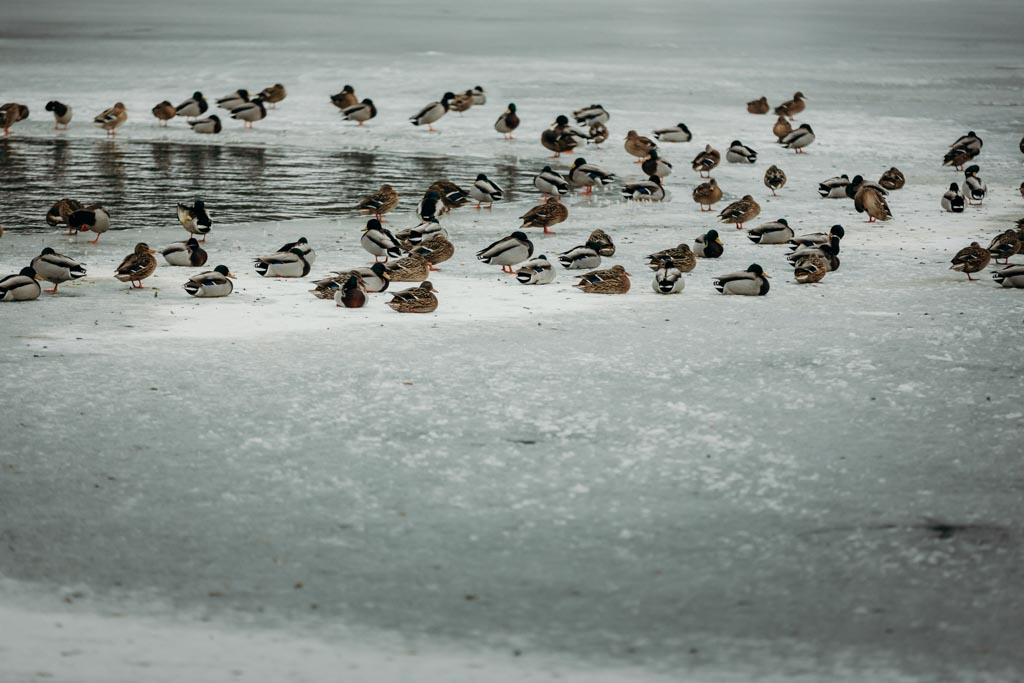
532, 483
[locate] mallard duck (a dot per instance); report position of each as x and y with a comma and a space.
952, 200
235, 99
583, 257
781, 128
211, 125
738, 153
484, 189
10, 114
869, 200
798, 139
432, 112
893, 179
435, 250
195, 219
345, 99
552, 212
250, 112
164, 112
614, 280
706, 160
600, 237
708, 245
834, 188
410, 237
211, 284
667, 278
283, 264
550, 182
758, 106
110, 119
707, 194
1010, 276
430, 206
93, 217
682, 258
507, 122
587, 116
810, 269
302, 244
655, 165
379, 241
376, 278
833, 236
415, 300
193, 106
187, 253
829, 252
379, 203
137, 266
273, 94
676, 133
792, 107
351, 293
561, 137
859, 183
23, 286
452, 196
61, 114
650, 190
360, 112
1002, 247
597, 133
639, 145
974, 187
740, 211
963, 150
776, 232
462, 102
538, 271
589, 176
61, 210
750, 282
479, 96
774, 178
57, 268
507, 251
971, 260
411, 268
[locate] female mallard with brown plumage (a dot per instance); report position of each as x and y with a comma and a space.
273, 94
411, 268
792, 107
10, 114
416, 300
551, 212
380, 202
164, 112
462, 102
774, 178
893, 179
61, 210
811, 268
758, 106
452, 196
639, 145
110, 119
706, 160
1002, 247
740, 211
434, 250
346, 98
781, 128
707, 194
682, 257
871, 201
597, 133
970, 260
614, 280
137, 266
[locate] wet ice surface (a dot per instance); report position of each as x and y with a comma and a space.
821, 484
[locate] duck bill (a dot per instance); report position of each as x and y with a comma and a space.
232, 276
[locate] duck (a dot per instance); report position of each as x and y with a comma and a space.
893, 179
110, 119
538, 271
164, 112
833, 236
411, 237
682, 257
828, 252
283, 264
740, 211
435, 250
452, 196
486, 190
61, 114
655, 165
738, 153
834, 188
376, 278
668, 279
507, 122
758, 106
810, 269
235, 99
379, 241
781, 128
250, 112
792, 107
707, 194
1010, 276
479, 96
583, 257
561, 137
774, 179
57, 268
430, 206
775, 232
211, 125
22, 286
93, 217
589, 176
361, 112
273, 94
1003, 246
966, 148
10, 114
869, 200
750, 282
411, 268
508, 251
606, 246
187, 253
676, 133
302, 244
211, 284
639, 145
704, 162
193, 106
351, 293
974, 187
462, 102
650, 190
952, 200
798, 139
859, 183
378, 203
194, 218
137, 266
432, 112
552, 212
587, 116
971, 260
420, 299
614, 280
708, 245
550, 182
597, 133
61, 210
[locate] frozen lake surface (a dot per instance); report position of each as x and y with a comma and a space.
532, 484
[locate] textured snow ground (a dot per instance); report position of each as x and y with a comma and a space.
532, 483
